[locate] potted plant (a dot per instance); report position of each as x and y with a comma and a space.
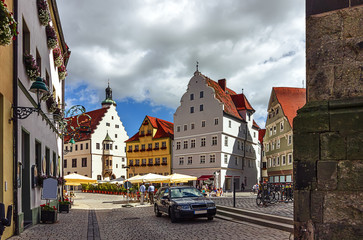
51, 37
31, 66
43, 12
62, 72
57, 56
64, 205
48, 213
7, 25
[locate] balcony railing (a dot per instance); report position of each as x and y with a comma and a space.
163, 147
136, 150
129, 151
164, 163
157, 164
142, 150
131, 164
150, 164
149, 149
157, 148
143, 164
137, 164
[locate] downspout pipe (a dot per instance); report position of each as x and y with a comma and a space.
15, 126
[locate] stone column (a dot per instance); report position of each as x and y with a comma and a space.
328, 130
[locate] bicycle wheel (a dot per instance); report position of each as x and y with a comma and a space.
259, 200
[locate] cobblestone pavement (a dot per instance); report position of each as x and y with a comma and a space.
248, 201
139, 222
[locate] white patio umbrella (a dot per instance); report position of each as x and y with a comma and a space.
179, 178
135, 179
117, 180
75, 179
152, 177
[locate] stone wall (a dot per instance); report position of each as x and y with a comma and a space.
328, 130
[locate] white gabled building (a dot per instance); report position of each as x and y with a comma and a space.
101, 154
215, 136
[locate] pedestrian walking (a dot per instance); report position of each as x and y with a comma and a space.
242, 187
150, 191
142, 194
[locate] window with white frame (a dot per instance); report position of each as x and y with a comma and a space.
201, 108
267, 147
269, 162
191, 109
289, 157
190, 160
212, 158
181, 161
185, 127
274, 162
275, 130
278, 160
202, 142
191, 96
271, 131
203, 123
226, 141
273, 146
289, 142
282, 126
185, 144
214, 140
238, 144
177, 145
229, 123
201, 94
202, 159
178, 128
216, 121
192, 126
192, 143
278, 144
225, 159
283, 160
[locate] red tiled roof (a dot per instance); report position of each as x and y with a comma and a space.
164, 129
96, 117
261, 134
224, 97
241, 102
291, 100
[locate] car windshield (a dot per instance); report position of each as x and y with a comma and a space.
185, 193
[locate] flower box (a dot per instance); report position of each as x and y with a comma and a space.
64, 207
48, 216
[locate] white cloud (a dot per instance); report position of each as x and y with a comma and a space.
148, 49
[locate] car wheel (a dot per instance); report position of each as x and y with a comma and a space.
156, 210
172, 216
210, 218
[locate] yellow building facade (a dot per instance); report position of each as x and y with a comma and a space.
6, 128
150, 149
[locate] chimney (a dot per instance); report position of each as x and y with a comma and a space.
222, 83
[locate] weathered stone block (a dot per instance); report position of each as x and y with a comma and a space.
346, 118
355, 146
343, 207
317, 200
320, 83
306, 146
327, 175
333, 146
327, 26
350, 175
304, 174
347, 82
352, 22
338, 232
301, 205
313, 117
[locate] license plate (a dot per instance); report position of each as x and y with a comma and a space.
200, 212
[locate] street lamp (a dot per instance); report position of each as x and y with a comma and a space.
37, 87
65, 152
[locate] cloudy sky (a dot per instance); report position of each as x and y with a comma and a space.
148, 50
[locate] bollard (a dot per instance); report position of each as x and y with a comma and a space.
234, 194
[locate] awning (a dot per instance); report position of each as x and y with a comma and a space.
205, 177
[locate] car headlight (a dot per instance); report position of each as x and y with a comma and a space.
183, 207
210, 205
